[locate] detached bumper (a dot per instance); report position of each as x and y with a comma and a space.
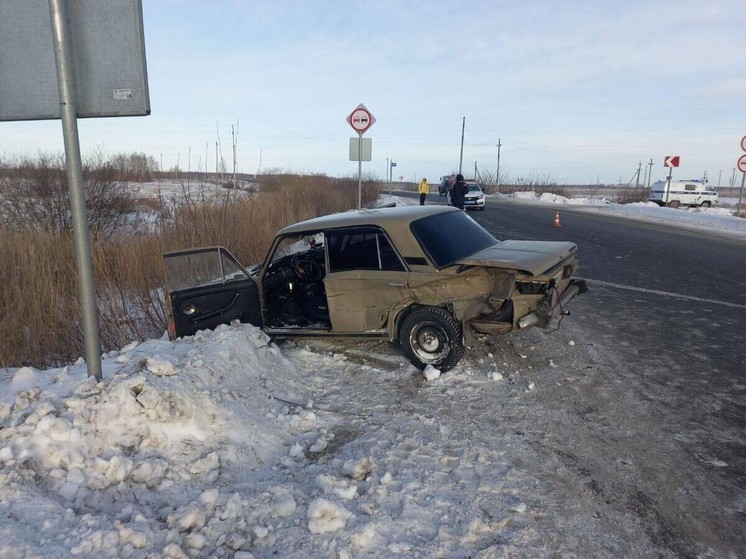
554, 306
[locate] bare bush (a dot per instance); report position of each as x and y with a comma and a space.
36, 196
134, 167
39, 307
631, 195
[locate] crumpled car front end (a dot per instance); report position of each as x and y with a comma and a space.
543, 284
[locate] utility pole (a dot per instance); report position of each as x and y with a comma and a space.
720, 174
475, 170
216, 160
233, 136
650, 174
461, 157
733, 178
387, 169
637, 178
497, 173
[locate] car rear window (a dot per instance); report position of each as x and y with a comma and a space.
449, 237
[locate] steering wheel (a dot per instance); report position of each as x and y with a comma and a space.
306, 268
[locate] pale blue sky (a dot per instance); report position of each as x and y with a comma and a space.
574, 90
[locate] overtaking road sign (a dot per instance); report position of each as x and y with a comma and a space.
671, 161
360, 119
742, 164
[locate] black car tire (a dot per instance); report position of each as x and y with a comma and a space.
431, 336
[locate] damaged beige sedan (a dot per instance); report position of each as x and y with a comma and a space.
420, 276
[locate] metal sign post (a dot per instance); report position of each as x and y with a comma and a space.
68, 107
742, 168
360, 119
670, 161
67, 59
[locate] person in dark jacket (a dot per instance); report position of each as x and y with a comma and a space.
458, 192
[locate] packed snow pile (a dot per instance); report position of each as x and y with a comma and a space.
212, 446
549, 198
153, 458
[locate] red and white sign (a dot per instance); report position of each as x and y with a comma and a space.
671, 161
360, 119
743, 143
742, 163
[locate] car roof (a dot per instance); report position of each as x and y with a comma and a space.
390, 219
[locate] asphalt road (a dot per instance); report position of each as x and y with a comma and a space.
657, 421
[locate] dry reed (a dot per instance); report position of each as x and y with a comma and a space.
39, 308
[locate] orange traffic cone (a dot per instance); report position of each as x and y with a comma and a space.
556, 219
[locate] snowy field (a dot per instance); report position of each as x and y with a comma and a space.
225, 444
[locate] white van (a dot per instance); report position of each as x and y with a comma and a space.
683, 193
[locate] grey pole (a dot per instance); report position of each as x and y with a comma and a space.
461, 157
359, 169
650, 174
84, 265
668, 184
637, 179
497, 174
740, 195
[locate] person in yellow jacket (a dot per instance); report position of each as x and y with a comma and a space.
424, 189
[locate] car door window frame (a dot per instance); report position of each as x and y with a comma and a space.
337, 237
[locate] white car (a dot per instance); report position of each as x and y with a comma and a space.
475, 197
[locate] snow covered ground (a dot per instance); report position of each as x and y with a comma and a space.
225, 444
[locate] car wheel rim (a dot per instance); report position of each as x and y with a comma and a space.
429, 342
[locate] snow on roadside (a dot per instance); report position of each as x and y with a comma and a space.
155, 457
717, 220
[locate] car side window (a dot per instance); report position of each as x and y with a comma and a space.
361, 249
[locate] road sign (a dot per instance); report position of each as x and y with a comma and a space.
742, 164
107, 46
358, 144
360, 119
743, 143
671, 161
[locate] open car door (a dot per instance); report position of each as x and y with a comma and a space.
207, 287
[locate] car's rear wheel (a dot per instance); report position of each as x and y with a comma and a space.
431, 336
674, 204
706, 204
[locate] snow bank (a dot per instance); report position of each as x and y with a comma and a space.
154, 457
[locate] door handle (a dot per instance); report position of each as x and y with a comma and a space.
395, 284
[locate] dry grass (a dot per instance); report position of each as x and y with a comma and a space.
631, 195
39, 308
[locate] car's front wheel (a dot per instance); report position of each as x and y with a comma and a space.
431, 336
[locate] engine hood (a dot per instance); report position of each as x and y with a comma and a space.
533, 257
